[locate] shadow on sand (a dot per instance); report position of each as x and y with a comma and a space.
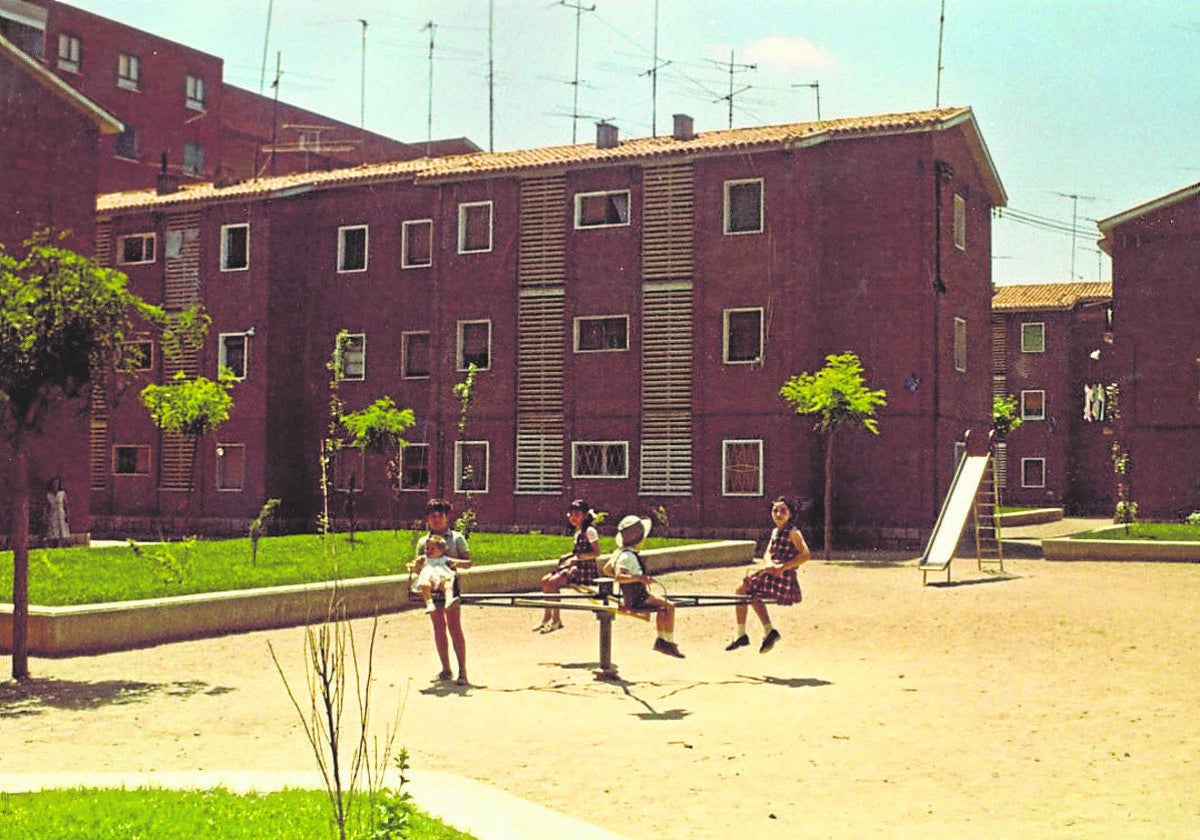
36, 696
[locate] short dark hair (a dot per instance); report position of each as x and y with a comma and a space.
437, 506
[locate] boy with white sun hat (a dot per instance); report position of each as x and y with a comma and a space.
629, 570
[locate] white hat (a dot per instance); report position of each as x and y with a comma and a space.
632, 530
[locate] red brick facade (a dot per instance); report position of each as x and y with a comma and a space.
636, 309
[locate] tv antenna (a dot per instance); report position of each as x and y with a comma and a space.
579, 10
432, 27
362, 79
937, 96
1075, 199
816, 86
733, 68
653, 74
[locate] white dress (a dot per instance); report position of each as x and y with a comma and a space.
434, 572
56, 515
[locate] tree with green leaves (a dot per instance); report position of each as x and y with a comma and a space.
837, 398
64, 319
1006, 418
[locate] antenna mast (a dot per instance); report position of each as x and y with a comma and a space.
1074, 222
262, 74
732, 93
362, 79
432, 27
816, 86
579, 10
491, 79
937, 96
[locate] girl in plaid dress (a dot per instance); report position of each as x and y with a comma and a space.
575, 569
785, 553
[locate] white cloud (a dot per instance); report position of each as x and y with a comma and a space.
782, 53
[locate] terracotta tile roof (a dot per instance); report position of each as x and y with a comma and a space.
550, 158
1048, 295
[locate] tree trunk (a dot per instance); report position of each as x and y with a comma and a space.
828, 494
20, 541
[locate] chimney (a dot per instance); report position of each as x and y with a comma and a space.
166, 183
683, 128
606, 135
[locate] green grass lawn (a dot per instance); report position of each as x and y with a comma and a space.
79, 575
1162, 531
150, 814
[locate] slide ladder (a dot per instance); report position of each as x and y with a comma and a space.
989, 551
960, 503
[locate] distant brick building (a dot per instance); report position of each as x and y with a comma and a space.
1051, 349
174, 104
49, 136
1155, 249
633, 308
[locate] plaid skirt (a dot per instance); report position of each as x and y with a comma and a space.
785, 588
583, 572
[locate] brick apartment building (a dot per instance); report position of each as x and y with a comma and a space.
174, 104
1155, 249
633, 307
1052, 352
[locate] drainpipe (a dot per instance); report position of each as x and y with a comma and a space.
942, 172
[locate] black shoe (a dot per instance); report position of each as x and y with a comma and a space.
669, 648
769, 641
741, 641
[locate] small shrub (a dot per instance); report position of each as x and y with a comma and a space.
1193, 518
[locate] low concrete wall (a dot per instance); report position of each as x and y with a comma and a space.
1029, 517
99, 628
1135, 550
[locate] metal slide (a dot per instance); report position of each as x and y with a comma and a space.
960, 501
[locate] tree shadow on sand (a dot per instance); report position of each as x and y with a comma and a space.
34, 697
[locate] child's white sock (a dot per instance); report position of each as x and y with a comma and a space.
450, 599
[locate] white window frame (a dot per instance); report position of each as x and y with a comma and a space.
581, 197
194, 166
70, 51
1040, 345
725, 448
405, 336
727, 220
1027, 413
341, 250
152, 238
346, 375
194, 93
226, 231
1025, 463
725, 335
960, 344
582, 318
414, 447
129, 71
406, 237
141, 448
960, 222
223, 449
620, 444
223, 357
461, 363
464, 209
458, 465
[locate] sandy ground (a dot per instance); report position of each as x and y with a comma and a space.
1060, 701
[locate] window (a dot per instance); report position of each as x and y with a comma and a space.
1033, 338
602, 333
129, 71
139, 355
1033, 405
235, 247
960, 222
600, 459
743, 330
135, 248
193, 158
68, 52
1033, 472
414, 355
475, 227
352, 249
414, 467
354, 357
601, 209
744, 206
131, 460
417, 244
348, 469
741, 468
960, 345
474, 344
471, 466
231, 466
194, 93
126, 144
233, 353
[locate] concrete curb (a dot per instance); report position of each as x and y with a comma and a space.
101, 628
465, 804
1130, 550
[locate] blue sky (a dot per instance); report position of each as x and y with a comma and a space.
1090, 98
